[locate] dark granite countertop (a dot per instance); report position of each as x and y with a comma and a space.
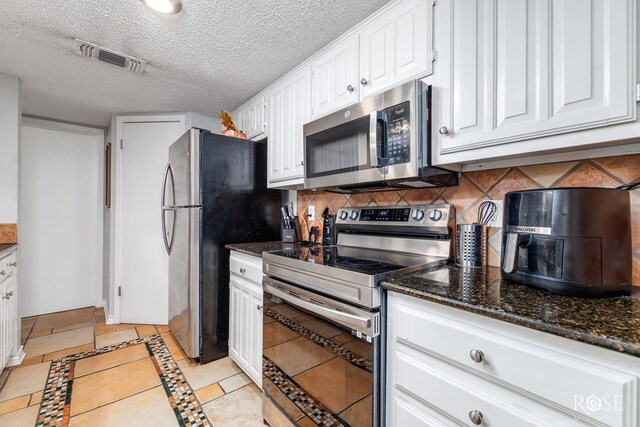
5, 248
612, 323
256, 248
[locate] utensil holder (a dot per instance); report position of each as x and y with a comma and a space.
291, 234
471, 245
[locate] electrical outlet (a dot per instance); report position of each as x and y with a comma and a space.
496, 221
311, 213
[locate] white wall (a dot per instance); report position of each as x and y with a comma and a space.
10, 117
61, 207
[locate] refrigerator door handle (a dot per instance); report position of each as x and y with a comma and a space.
168, 173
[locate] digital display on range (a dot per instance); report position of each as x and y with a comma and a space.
398, 215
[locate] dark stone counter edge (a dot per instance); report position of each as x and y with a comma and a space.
7, 248
257, 248
576, 335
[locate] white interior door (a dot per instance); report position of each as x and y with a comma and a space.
144, 261
60, 220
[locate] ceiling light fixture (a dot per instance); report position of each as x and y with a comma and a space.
166, 7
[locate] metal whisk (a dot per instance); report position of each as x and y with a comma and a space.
486, 212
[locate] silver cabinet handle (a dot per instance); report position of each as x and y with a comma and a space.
7, 295
243, 270
3, 272
475, 417
364, 82
349, 88
477, 356
444, 130
259, 307
13, 264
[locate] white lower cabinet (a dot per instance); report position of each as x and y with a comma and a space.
10, 349
245, 315
446, 366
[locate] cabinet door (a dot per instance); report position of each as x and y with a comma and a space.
253, 118
5, 352
335, 78
235, 331
522, 69
397, 46
12, 316
255, 327
289, 108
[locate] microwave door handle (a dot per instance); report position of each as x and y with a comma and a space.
378, 143
373, 140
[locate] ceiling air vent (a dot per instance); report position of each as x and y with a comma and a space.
109, 56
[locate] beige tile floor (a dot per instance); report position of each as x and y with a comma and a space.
119, 388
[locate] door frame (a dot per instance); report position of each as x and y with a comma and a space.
120, 121
99, 134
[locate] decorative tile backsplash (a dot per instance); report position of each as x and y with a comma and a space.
475, 187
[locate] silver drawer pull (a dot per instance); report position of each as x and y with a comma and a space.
243, 270
3, 272
8, 295
475, 417
477, 356
13, 264
259, 307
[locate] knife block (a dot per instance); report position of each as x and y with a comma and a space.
291, 234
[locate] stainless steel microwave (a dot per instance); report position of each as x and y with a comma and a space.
381, 143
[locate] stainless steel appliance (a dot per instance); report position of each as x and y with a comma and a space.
214, 193
573, 241
324, 325
384, 142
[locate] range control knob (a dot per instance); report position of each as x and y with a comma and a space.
354, 215
435, 215
418, 214
344, 215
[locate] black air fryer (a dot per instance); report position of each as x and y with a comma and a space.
571, 241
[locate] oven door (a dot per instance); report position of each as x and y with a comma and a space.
321, 358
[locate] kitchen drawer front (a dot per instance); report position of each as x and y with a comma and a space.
7, 266
459, 393
246, 266
553, 376
410, 412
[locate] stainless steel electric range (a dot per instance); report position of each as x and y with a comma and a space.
324, 324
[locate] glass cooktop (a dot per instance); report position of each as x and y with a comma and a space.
365, 261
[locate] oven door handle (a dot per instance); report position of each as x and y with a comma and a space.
362, 324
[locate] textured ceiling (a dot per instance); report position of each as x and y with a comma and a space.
213, 55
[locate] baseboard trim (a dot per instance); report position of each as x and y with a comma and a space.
108, 318
17, 357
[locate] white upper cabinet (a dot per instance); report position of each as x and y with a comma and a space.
289, 108
253, 118
250, 118
396, 46
521, 69
335, 81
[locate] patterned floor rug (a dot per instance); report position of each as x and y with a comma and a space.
55, 408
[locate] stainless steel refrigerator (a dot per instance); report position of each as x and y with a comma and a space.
214, 192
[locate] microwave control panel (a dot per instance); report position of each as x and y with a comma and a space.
398, 134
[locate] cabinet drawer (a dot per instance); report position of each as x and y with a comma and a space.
7, 266
246, 266
461, 394
553, 376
